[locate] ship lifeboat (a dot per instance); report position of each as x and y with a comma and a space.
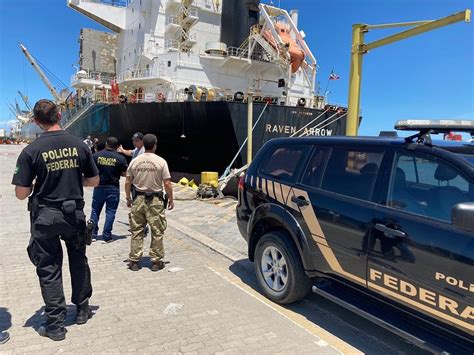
296, 53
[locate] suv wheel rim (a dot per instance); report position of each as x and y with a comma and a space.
274, 268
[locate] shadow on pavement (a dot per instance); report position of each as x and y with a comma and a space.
145, 262
336, 320
115, 237
38, 318
5, 319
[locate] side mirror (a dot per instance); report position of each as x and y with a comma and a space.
462, 216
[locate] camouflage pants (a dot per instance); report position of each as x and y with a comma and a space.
153, 214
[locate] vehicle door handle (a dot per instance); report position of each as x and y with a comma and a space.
390, 231
300, 201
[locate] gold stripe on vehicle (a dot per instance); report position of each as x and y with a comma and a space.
285, 192
271, 191
264, 186
278, 195
290, 203
315, 228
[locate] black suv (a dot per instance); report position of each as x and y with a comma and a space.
390, 217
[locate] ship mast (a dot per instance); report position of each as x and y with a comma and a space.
43, 77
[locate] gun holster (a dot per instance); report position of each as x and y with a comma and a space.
69, 206
33, 204
89, 231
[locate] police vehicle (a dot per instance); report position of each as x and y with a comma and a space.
379, 225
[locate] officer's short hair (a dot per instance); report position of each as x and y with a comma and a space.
149, 141
112, 142
46, 112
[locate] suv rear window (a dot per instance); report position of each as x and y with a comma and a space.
427, 186
282, 162
352, 173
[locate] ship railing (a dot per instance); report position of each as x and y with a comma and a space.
171, 20
75, 109
171, 45
191, 12
237, 52
92, 75
150, 51
134, 74
208, 5
257, 54
189, 36
117, 3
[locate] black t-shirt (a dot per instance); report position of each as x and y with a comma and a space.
58, 161
111, 166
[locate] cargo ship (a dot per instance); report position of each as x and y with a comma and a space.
185, 71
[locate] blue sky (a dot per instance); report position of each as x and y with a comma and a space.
428, 76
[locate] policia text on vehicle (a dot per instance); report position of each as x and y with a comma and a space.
60, 165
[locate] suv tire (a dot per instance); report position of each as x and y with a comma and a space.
279, 269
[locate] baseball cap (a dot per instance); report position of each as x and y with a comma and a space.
137, 135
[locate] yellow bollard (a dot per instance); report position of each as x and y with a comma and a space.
208, 176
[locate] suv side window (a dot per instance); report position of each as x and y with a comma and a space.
314, 172
352, 173
282, 162
434, 190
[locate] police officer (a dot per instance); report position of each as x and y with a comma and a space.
61, 164
148, 173
111, 166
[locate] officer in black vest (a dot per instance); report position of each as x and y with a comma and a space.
56, 167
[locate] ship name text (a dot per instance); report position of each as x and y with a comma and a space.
284, 129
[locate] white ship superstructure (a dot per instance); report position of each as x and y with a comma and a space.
173, 50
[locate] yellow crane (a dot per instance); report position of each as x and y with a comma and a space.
359, 48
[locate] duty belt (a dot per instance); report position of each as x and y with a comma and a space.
59, 205
158, 194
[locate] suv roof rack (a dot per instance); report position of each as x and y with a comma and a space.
426, 127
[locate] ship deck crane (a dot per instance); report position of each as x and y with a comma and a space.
42, 75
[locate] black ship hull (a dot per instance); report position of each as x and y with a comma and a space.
203, 136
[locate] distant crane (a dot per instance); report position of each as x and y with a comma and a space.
42, 75
12, 109
25, 100
17, 107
